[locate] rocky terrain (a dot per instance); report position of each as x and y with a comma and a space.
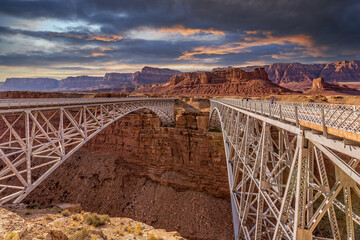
320, 87
232, 81
298, 76
171, 178
147, 75
69, 222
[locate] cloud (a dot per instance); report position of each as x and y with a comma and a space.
47, 33
190, 31
250, 41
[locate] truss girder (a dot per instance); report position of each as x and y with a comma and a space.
287, 181
34, 141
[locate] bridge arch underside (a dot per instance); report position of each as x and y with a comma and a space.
287, 184
34, 142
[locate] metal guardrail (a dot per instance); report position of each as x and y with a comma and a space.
339, 116
32, 102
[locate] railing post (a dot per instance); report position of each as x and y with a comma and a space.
323, 122
296, 116
280, 113
269, 110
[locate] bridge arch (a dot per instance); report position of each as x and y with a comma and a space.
53, 132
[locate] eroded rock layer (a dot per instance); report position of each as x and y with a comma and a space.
234, 81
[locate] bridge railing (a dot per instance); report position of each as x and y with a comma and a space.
31, 102
338, 116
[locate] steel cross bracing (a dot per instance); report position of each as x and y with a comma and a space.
292, 172
37, 135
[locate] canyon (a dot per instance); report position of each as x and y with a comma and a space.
168, 177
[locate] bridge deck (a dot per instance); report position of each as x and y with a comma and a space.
336, 119
41, 102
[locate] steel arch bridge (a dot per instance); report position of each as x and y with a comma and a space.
293, 168
38, 135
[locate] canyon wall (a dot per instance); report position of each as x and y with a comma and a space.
168, 177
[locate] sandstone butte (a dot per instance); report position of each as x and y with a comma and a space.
320, 87
234, 81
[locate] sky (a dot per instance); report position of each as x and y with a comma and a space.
60, 38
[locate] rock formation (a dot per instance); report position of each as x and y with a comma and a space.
30, 84
117, 79
320, 87
149, 75
79, 82
232, 81
299, 76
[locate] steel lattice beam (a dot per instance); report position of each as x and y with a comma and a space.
287, 169
37, 136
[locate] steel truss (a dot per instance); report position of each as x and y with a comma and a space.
287, 181
34, 141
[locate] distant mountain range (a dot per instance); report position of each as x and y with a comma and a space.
298, 76
295, 76
147, 75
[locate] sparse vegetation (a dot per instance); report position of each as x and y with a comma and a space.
152, 237
35, 206
27, 212
80, 235
129, 229
138, 230
215, 129
96, 220
11, 236
66, 213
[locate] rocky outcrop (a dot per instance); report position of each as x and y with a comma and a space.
79, 82
298, 76
234, 81
171, 178
344, 71
117, 79
320, 87
30, 84
149, 75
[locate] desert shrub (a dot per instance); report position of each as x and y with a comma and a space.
152, 236
96, 220
11, 236
129, 229
27, 212
66, 213
138, 229
80, 235
35, 206
76, 217
215, 129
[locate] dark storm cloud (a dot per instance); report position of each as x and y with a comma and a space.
334, 27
